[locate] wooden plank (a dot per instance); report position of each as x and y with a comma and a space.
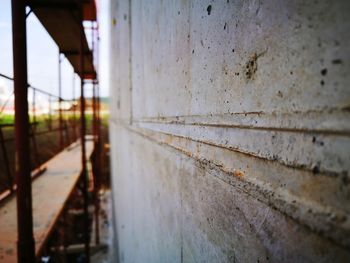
62, 21
50, 192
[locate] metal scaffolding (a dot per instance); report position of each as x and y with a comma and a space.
64, 22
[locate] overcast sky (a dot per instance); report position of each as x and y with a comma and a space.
43, 54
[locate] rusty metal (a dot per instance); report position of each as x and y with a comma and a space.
33, 106
66, 129
50, 118
43, 91
99, 120
33, 130
83, 149
94, 106
96, 169
30, 86
25, 133
6, 162
34, 144
66, 16
58, 183
29, 12
5, 76
11, 139
99, 96
97, 173
61, 142
54, 5
74, 110
25, 243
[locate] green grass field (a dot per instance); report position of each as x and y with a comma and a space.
6, 119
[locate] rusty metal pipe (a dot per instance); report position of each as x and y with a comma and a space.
25, 243
60, 101
96, 145
6, 161
83, 149
74, 110
50, 117
34, 106
94, 106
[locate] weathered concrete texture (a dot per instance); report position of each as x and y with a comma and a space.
230, 130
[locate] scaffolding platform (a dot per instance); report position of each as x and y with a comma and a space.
50, 192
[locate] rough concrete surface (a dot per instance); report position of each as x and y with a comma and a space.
230, 130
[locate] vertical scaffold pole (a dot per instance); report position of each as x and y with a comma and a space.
83, 149
96, 144
60, 119
74, 109
25, 242
93, 88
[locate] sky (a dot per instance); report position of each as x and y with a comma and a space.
42, 54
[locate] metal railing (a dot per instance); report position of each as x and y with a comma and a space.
51, 116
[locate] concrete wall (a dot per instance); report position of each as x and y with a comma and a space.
229, 128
